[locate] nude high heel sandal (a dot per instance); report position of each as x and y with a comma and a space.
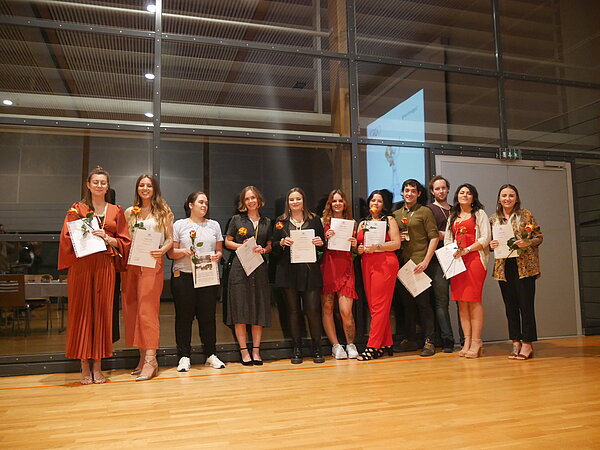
472, 354
463, 351
150, 360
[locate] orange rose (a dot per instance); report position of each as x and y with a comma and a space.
193, 233
279, 225
462, 230
529, 227
404, 220
243, 231
373, 210
73, 211
136, 210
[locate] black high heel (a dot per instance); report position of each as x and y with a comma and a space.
368, 354
387, 349
246, 363
257, 362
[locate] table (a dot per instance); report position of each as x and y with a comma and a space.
53, 288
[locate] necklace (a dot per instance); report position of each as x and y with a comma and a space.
298, 225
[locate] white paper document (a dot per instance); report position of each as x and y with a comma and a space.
144, 241
88, 244
343, 231
249, 259
502, 233
376, 232
303, 250
450, 265
415, 283
206, 272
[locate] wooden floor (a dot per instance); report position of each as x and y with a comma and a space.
551, 401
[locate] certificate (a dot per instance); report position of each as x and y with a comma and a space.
450, 265
206, 272
343, 231
144, 241
374, 232
415, 283
85, 243
249, 259
303, 250
502, 233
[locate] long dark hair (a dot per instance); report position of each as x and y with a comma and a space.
191, 199
328, 210
455, 210
87, 196
287, 213
385, 212
500, 210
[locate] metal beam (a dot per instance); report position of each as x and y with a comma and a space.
156, 90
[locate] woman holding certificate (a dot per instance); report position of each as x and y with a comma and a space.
378, 238
516, 270
297, 234
469, 227
150, 223
248, 294
197, 247
92, 277
338, 273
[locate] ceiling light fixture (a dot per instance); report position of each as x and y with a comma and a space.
149, 76
7, 102
151, 8
149, 115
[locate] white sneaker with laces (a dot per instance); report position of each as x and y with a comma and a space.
184, 364
215, 362
352, 352
338, 352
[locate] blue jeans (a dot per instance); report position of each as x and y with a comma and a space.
440, 290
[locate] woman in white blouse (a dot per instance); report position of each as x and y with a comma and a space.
193, 237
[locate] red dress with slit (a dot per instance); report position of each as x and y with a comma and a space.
468, 285
91, 284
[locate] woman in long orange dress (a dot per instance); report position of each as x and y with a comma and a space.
142, 286
92, 278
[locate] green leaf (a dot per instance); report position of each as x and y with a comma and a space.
199, 244
89, 215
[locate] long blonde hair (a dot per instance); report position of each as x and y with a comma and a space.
159, 208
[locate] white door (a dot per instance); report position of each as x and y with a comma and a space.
545, 189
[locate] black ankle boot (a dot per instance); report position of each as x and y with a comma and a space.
297, 353
318, 356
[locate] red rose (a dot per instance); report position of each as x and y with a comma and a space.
136, 210
404, 220
193, 233
529, 227
279, 225
243, 231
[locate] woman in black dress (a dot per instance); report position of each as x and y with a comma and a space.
300, 280
248, 296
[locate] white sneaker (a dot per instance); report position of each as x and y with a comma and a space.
215, 362
184, 364
338, 352
352, 352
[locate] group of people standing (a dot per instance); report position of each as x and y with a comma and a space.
413, 232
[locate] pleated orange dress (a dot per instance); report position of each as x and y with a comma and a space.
141, 288
91, 283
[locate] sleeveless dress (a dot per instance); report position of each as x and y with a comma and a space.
379, 278
467, 286
337, 269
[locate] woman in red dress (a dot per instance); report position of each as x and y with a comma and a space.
380, 266
92, 278
469, 227
338, 280
142, 286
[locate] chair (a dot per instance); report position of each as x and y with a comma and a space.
12, 295
38, 278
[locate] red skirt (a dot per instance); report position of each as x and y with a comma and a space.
467, 286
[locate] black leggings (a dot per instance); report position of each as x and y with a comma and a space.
193, 303
311, 305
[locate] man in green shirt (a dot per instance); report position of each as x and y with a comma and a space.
420, 238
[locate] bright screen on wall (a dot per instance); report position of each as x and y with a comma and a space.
388, 166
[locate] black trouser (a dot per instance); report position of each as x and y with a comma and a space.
518, 295
411, 304
190, 303
311, 305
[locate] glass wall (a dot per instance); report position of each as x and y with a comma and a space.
272, 93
